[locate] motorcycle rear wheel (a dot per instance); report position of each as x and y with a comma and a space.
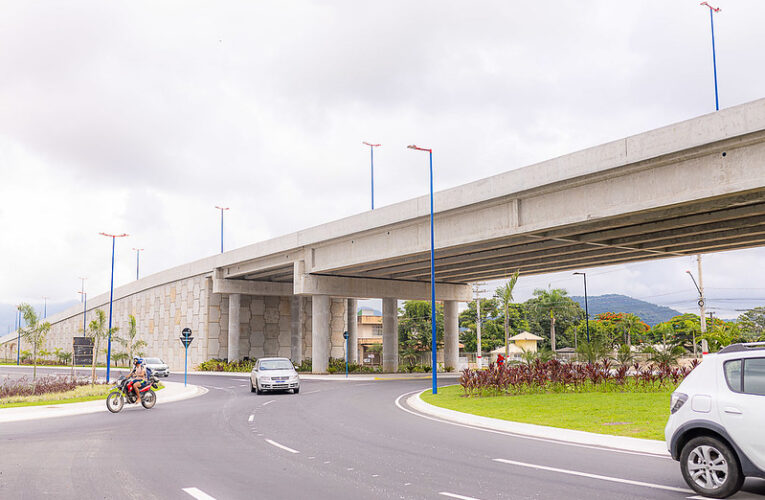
148, 399
115, 401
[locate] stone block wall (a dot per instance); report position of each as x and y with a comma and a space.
161, 313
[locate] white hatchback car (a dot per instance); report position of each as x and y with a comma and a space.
715, 428
274, 374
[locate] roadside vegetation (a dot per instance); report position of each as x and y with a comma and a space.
49, 390
633, 414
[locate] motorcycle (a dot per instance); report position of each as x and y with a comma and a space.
124, 391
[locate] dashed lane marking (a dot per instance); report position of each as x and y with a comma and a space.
198, 494
594, 476
454, 495
285, 448
268, 402
252, 417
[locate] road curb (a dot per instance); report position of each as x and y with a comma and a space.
620, 443
175, 392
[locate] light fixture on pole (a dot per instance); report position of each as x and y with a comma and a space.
111, 300
372, 160
434, 362
137, 260
702, 312
221, 225
712, 11
586, 309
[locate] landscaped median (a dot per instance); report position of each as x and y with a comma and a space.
627, 401
640, 415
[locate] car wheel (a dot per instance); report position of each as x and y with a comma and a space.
258, 389
252, 388
296, 390
710, 467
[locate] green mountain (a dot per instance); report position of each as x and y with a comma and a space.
649, 313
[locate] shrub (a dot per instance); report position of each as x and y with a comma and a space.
337, 365
556, 376
222, 365
305, 366
44, 385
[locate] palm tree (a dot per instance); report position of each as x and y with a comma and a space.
505, 295
552, 302
35, 332
97, 330
130, 343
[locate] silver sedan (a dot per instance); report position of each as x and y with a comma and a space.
274, 374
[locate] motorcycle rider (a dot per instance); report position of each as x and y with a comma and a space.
138, 376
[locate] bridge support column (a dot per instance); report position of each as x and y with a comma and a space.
320, 317
451, 334
390, 335
353, 331
234, 303
296, 329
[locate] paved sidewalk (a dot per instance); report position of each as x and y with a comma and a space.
352, 377
172, 392
623, 443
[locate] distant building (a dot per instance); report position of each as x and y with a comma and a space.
369, 324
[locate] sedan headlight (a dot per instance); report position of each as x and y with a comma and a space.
677, 401
265, 379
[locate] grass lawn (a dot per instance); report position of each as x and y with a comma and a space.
640, 415
78, 395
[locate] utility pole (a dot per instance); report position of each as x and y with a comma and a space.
702, 310
478, 351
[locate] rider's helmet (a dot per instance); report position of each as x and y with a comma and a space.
137, 361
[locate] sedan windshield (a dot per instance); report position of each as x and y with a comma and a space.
275, 364
153, 361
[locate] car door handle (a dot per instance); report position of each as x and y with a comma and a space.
733, 411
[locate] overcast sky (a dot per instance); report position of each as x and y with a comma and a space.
140, 117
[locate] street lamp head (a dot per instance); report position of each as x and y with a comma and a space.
114, 235
715, 9
138, 249
221, 208
370, 144
583, 274
418, 148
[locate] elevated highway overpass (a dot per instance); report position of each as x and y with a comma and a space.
693, 187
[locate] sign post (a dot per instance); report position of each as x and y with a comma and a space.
345, 336
186, 339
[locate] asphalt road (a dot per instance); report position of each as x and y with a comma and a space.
334, 440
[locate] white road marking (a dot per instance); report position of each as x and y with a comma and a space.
375, 475
310, 392
594, 476
252, 417
198, 494
521, 436
268, 402
285, 448
409, 484
349, 468
454, 495
327, 462
242, 385
311, 458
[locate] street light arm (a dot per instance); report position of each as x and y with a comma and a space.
714, 9
418, 148
370, 144
695, 284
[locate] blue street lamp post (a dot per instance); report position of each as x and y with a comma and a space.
372, 160
221, 225
345, 336
434, 363
712, 11
111, 300
137, 260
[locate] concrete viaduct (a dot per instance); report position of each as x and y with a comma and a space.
693, 187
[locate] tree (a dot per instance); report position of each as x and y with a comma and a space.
723, 335
97, 330
34, 332
414, 327
130, 343
554, 303
752, 322
505, 296
492, 320
669, 350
